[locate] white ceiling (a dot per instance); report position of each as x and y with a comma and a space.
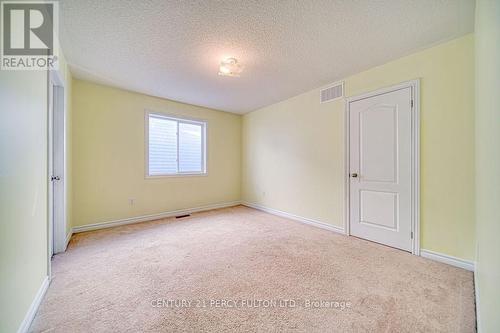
172, 49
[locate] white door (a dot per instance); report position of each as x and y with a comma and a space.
380, 165
51, 168
58, 171
57, 224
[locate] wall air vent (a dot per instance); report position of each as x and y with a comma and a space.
332, 93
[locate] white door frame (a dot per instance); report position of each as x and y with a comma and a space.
57, 107
414, 85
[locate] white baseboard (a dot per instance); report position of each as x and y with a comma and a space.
444, 258
30, 315
297, 218
68, 238
476, 293
145, 218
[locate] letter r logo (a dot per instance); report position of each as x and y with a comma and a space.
27, 28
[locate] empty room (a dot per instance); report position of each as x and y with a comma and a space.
250, 166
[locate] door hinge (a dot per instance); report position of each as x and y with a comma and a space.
411, 103
411, 234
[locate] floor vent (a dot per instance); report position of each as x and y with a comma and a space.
181, 216
332, 93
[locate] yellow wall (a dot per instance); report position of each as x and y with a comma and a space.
488, 164
108, 157
292, 158
293, 151
23, 192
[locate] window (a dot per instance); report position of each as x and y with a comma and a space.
175, 146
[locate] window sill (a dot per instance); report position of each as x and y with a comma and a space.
177, 175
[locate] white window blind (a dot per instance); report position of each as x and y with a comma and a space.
175, 146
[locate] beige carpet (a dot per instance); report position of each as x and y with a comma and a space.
238, 269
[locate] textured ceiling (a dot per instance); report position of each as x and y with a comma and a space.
172, 49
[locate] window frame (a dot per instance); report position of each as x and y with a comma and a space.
178, 119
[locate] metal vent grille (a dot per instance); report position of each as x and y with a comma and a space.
332, 93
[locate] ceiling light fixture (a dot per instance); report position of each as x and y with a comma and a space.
230, 67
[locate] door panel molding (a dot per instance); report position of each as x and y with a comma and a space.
414, 86
364, 141
391, 198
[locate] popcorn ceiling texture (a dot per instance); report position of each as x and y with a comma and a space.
107, 280
172, 49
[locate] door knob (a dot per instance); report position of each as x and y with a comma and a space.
354, 175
